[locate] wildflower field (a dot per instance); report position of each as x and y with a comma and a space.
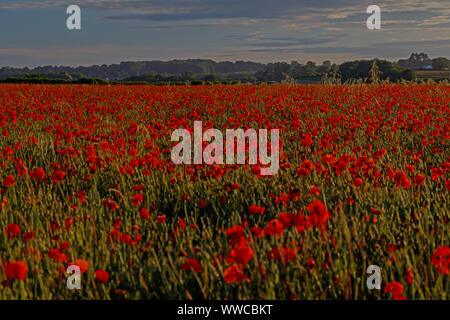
87, 180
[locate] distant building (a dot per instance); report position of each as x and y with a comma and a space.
427, 67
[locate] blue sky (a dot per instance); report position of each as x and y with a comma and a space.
34, 33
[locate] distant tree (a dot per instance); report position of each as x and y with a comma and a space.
441, 63
310, 67
211, 77
324, 68
274, 72
415, 61
362, 70
189, 76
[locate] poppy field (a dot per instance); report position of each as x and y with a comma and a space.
87, 180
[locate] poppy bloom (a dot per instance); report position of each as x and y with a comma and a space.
240, 254
357, 182
143, 213
256, 210
319, 214
418, 180
16, 270
137, 199
9, 181
256, 170
161, 219
202, 204
380, 153
401, 179
12, 231
235, 186
302, 172
274, 227
257, 232
376, 211
314, 191
236, 236
192, 264
82, 264
110, 204
38, 174
68, 223
396, 289
441, 259
409, 276
101, 276
305, 168
58, 255
28, 236
235, 273
286, 254
436, 173
81, 195
58, 176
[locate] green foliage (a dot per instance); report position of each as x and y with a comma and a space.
361, 70
441, 64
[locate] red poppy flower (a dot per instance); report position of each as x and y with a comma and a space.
161, 219
202, 204
110, 204
402, 180
409, 276
396, 289
12, 230
58, 176
9, 181
285, 255
357, 182
418, 180
376, 211
441, 259
28, 236
38, 174
256, 210
240, 254
16, 270
143, 213
101, 276
82, 264
58, 255
235, 273
274, 227
137, 199
319, 214
314, 191
236, 236
192, 264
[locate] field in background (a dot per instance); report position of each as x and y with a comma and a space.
433, 74
87, 179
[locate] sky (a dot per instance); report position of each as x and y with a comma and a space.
34, 33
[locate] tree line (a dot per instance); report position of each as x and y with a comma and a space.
200, 71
